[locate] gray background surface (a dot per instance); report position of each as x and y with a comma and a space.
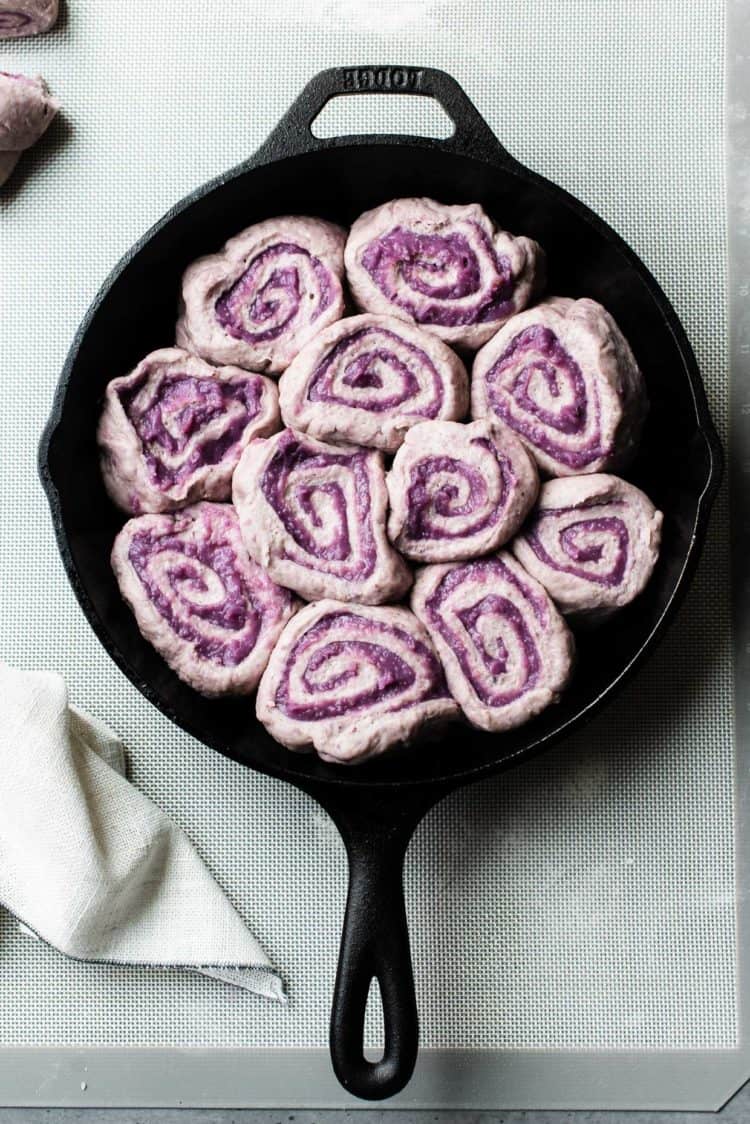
364, 1116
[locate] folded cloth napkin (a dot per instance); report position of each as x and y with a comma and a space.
90, 864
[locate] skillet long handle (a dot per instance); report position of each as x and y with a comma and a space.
375, 946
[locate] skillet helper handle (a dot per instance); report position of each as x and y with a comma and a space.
472, 136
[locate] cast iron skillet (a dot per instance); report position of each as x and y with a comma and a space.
377, 806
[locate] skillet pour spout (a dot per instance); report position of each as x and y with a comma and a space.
377, 806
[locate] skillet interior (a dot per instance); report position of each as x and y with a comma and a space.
136, 312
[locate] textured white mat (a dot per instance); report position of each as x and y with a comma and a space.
586, 900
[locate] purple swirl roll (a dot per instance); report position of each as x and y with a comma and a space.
26, 17
26, 110
562, 375
592, 542
314, 516
458, 491
506, 650
350, 681
210, 612
445, 267
367, 379
172, 431
265, 294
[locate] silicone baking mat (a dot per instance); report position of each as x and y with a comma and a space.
583, 903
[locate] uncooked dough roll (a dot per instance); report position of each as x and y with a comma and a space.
265, 294
314, 516
368, 379
506, 650
592, 542
26, 17
172, 431
26, 111
351, 681
210, 612
458, 491
446, 268
564, 378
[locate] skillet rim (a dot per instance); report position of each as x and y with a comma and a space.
351, 778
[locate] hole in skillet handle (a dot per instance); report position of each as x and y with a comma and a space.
472, 135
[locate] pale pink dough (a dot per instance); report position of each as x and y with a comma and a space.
592, 541
351, 681
562, 375
172, 431
26, 17
367, 379
26, 110
314, 515
265, 294
447, 268
211, 613
458, 491
506, 650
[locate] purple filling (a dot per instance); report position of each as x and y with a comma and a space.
486, 574
542, 354
240, 613
421, 504
14, 21
188, 405
272, 301
295, 465
394, 676
361, 372
440, 268
581, 552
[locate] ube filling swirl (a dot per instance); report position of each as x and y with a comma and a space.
181, 406
440, 268
14, 21
576, 544
537, 354
422, 504
292, 470
364, 371
271, 293
480, 633
189, 575
393, 675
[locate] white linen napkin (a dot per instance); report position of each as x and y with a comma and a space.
90, 864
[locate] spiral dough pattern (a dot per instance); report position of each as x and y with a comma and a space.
564, 378
210, 612
172, 431
350, 681
314, 516
593, 542
458, 491
368, 379
259, 300
506, 650
444, 267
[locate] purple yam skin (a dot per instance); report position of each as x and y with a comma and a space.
458, 491
219, 646
541, 649
324, 390
592, 542
354, 561
404, 692
597, 424
19, 18
131, 469
490, 274
300, 252
26, 110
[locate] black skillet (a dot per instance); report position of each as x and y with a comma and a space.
377, 807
